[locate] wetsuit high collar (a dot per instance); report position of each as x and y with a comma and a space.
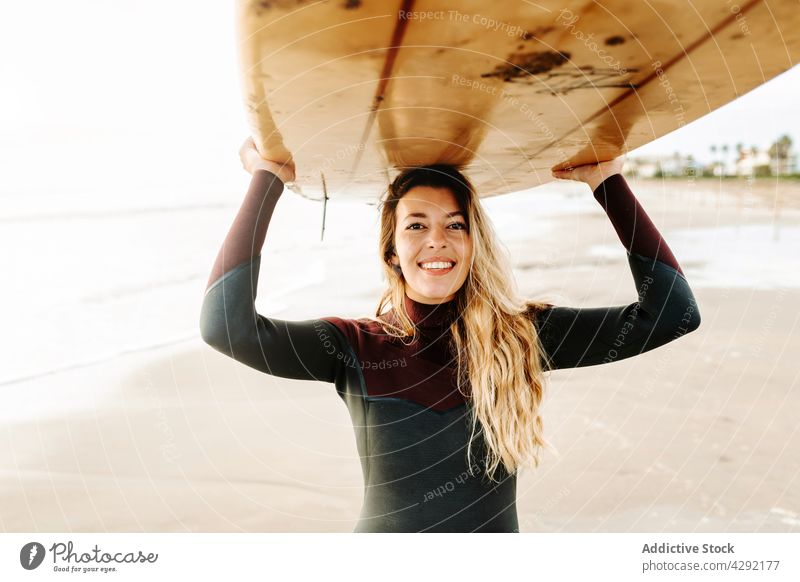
429, 315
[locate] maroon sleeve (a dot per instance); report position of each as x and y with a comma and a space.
634, 228
249, 229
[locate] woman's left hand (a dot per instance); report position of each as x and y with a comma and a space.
592, 174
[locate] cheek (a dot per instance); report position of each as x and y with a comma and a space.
405, 248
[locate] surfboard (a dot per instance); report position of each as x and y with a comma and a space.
354, 90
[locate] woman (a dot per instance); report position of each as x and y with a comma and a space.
444, 385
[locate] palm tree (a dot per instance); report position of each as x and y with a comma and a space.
779, 152
714, 159
724, 167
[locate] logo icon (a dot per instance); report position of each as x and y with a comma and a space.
31, 555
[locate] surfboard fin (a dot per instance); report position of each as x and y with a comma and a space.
324, 204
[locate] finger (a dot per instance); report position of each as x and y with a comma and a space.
248, 144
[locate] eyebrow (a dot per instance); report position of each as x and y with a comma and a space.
423, 215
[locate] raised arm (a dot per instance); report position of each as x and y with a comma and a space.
308, 350
665, 309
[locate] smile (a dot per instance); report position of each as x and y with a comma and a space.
437, 267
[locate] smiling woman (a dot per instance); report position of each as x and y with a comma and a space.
444, 384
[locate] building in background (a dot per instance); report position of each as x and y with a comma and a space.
660, 166
752, 162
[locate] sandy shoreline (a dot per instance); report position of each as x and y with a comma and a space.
696, 436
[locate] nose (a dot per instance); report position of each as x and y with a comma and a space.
437, 237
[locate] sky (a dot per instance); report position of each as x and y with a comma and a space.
756, 118
146, 95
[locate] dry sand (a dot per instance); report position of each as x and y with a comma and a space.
700, 435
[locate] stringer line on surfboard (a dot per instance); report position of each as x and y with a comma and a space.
383, 82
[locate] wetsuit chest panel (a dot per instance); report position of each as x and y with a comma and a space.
419, 478
409, 438
423, 372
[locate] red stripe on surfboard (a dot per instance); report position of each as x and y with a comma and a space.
399, 31
727, 21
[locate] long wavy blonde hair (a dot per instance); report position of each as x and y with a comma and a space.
497, 348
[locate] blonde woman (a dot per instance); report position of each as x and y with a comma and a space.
445, 383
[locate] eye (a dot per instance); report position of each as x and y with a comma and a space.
458, 225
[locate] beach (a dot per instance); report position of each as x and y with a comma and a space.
118, 418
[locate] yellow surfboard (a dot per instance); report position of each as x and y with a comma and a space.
353, 90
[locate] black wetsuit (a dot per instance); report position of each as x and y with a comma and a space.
411, 422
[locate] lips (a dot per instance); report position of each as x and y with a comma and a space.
439, 270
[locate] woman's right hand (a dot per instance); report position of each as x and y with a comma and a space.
252, 162
592, 174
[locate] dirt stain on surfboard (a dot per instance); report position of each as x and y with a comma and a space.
586, 77
531, 63
552, 78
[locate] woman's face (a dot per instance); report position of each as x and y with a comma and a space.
431, 229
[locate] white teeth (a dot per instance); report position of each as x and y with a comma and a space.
436, 265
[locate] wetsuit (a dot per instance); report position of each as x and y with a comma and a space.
411, 422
